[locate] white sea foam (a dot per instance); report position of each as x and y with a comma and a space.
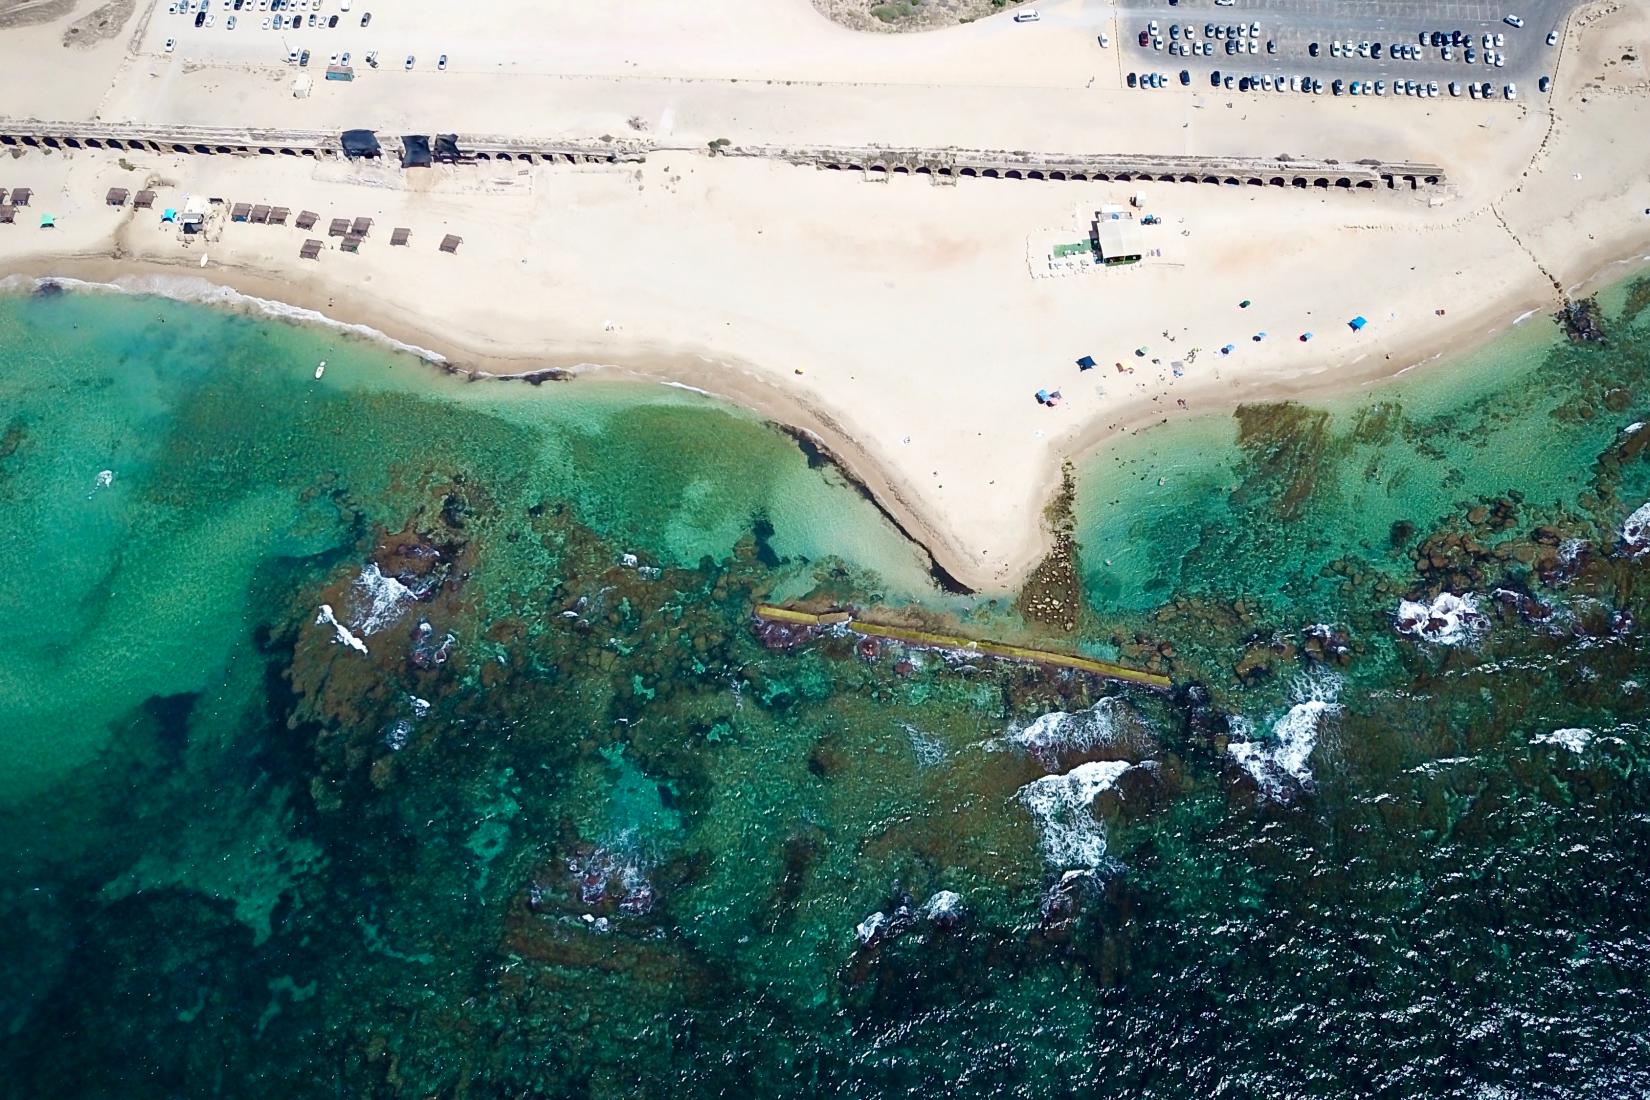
927, 748
1447, 620
420, 707
945, 906
1049, 734
340, 633
1635, 531
1061, 806
1575, 739
189, 288
1288, 755
1636, 426
378, 600
867, 929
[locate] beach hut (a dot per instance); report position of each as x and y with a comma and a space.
278, 215
21, 196
1086, 363
307, 219
359, 229
339, 227
116, 196
144, 200
48, 221
351, 243
260, 215
400, 236
1357, 323
8, 214
450, 242
311, 250
240, 212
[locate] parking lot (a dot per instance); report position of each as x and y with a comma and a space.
1293, 25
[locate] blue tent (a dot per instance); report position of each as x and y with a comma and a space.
1358, 322
1086, 363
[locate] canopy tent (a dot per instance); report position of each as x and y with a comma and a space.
415, 151
446, 148
1358, 322
169, 215
48, 221
360, 143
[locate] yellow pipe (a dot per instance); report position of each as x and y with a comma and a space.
966, 645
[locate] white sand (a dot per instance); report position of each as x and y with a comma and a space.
907, 307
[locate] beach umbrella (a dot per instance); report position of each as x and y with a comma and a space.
1227, 350
1259, 336
1244, 304
1042, 397
1141, 351
1086, 363
1358, 322
1305, 336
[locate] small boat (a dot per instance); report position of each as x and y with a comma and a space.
320, 368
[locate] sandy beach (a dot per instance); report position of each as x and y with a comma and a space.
908, 324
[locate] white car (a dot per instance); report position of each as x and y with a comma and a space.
1512, 91
1513, 21
1105, 41
1254, 30
1500, 60
1455, 88
1500, 40
344, 6
1489, 40
1552, 38
292, 57
1151, 28
230, 22
211, 19
1432, 88
409, 64
171, 44
265, 23
1019, 16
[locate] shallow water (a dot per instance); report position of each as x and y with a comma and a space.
532, 810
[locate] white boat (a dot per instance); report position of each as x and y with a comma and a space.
320, 368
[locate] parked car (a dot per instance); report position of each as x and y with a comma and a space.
332, 21
1455, 88
1132, 80
1312, 50
1513, 21
1512, 91
1469, 55
1145, 40
1338, 87
1105, 40
1271, 45
366, 17
1552, 38
1432, 88
1185, 78
265, 24
1544, 83
303, 60
1019, 16
171, 44
409, 64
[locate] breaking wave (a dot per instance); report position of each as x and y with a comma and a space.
189, 288
1048, 735
1061, 806
378, 600
1285, 760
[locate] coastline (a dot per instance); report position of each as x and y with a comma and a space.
820, 435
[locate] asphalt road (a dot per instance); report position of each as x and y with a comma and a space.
1294, 24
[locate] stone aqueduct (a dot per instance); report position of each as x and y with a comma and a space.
942, 164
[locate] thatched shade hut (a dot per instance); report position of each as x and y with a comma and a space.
338, 228
116, 196
307, 219
450, 242
400, 236
311, 250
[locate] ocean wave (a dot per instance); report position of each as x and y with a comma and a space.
378, 600
191, 288
1448, 620
1576, 739
1061, 807
1287, 756
1635, 531
340, 633
1058, 731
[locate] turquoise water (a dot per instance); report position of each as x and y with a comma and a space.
392, 735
